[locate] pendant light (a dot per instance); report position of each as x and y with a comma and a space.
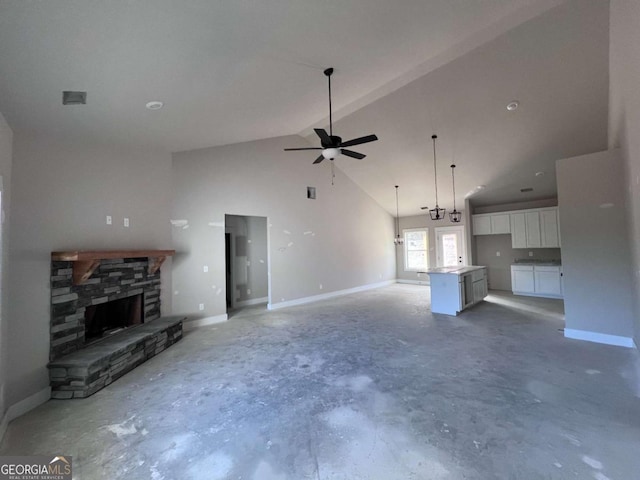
454, 216
398, 241
436, 213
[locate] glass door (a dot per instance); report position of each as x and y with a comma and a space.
450, 248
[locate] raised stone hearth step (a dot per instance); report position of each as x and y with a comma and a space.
86, 371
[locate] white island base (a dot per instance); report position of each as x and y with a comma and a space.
455, 288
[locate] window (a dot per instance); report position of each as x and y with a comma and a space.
416, 249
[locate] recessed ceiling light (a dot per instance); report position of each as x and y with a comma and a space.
481, 187
513, 105
155, 105
539, 174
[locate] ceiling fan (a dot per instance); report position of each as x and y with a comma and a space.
332, 145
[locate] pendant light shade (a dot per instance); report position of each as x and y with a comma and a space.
398, 240
436, 213
454, 216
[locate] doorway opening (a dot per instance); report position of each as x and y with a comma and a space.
246, 263
450, 247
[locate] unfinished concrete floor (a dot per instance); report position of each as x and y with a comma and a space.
366, 386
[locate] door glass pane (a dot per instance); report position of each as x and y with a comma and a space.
449, 249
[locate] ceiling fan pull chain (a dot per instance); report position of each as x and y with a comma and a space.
333, 173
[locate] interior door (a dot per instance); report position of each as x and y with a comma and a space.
450, 248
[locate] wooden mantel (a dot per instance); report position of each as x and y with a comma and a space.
85, 262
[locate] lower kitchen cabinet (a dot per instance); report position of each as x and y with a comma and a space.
537, 280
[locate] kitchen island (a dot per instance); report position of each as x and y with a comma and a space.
455, 288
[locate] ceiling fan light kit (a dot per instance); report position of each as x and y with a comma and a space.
436, 213
331, 145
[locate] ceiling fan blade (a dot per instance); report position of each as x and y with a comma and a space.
352, 154
359, 141
324, 136
306, 148
319, 159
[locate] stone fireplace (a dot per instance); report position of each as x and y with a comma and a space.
113, 280
105, 317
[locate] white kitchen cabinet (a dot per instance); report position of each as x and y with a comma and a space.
481, 224
491, 224
549, 232
518, 230
548, 281
537, 280
532, 219
522, 279
479, 289
500, 223
536, 228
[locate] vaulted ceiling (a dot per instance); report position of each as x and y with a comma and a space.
231, 72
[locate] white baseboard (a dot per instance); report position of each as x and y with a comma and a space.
253, 301
413, 282
325, 296
23, 406
203, 322
539, 295
599, 338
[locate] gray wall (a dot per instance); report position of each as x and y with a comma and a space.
624, 119
499, 267
420, 221
61, 194
6, 156
341, 240
249, 256
595, 246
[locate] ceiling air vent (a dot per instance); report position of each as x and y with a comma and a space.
525, 190
74, 98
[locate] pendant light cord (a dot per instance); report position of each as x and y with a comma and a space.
435, 170
330, 119
397, 215
453, 182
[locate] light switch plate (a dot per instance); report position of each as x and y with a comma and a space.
109, 220
126, 222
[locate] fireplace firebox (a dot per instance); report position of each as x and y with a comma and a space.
112, 317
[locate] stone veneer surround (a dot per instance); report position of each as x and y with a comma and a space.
112, 280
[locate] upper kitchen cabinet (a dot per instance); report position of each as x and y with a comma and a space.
549, 228
491, 224
537, 228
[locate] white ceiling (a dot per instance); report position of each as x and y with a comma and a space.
237, 71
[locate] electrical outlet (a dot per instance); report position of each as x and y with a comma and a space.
531, 254
109, 220
205, 269
201, 306
126, 222
248, 291
320, 286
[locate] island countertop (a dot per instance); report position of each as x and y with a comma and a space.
456, 270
